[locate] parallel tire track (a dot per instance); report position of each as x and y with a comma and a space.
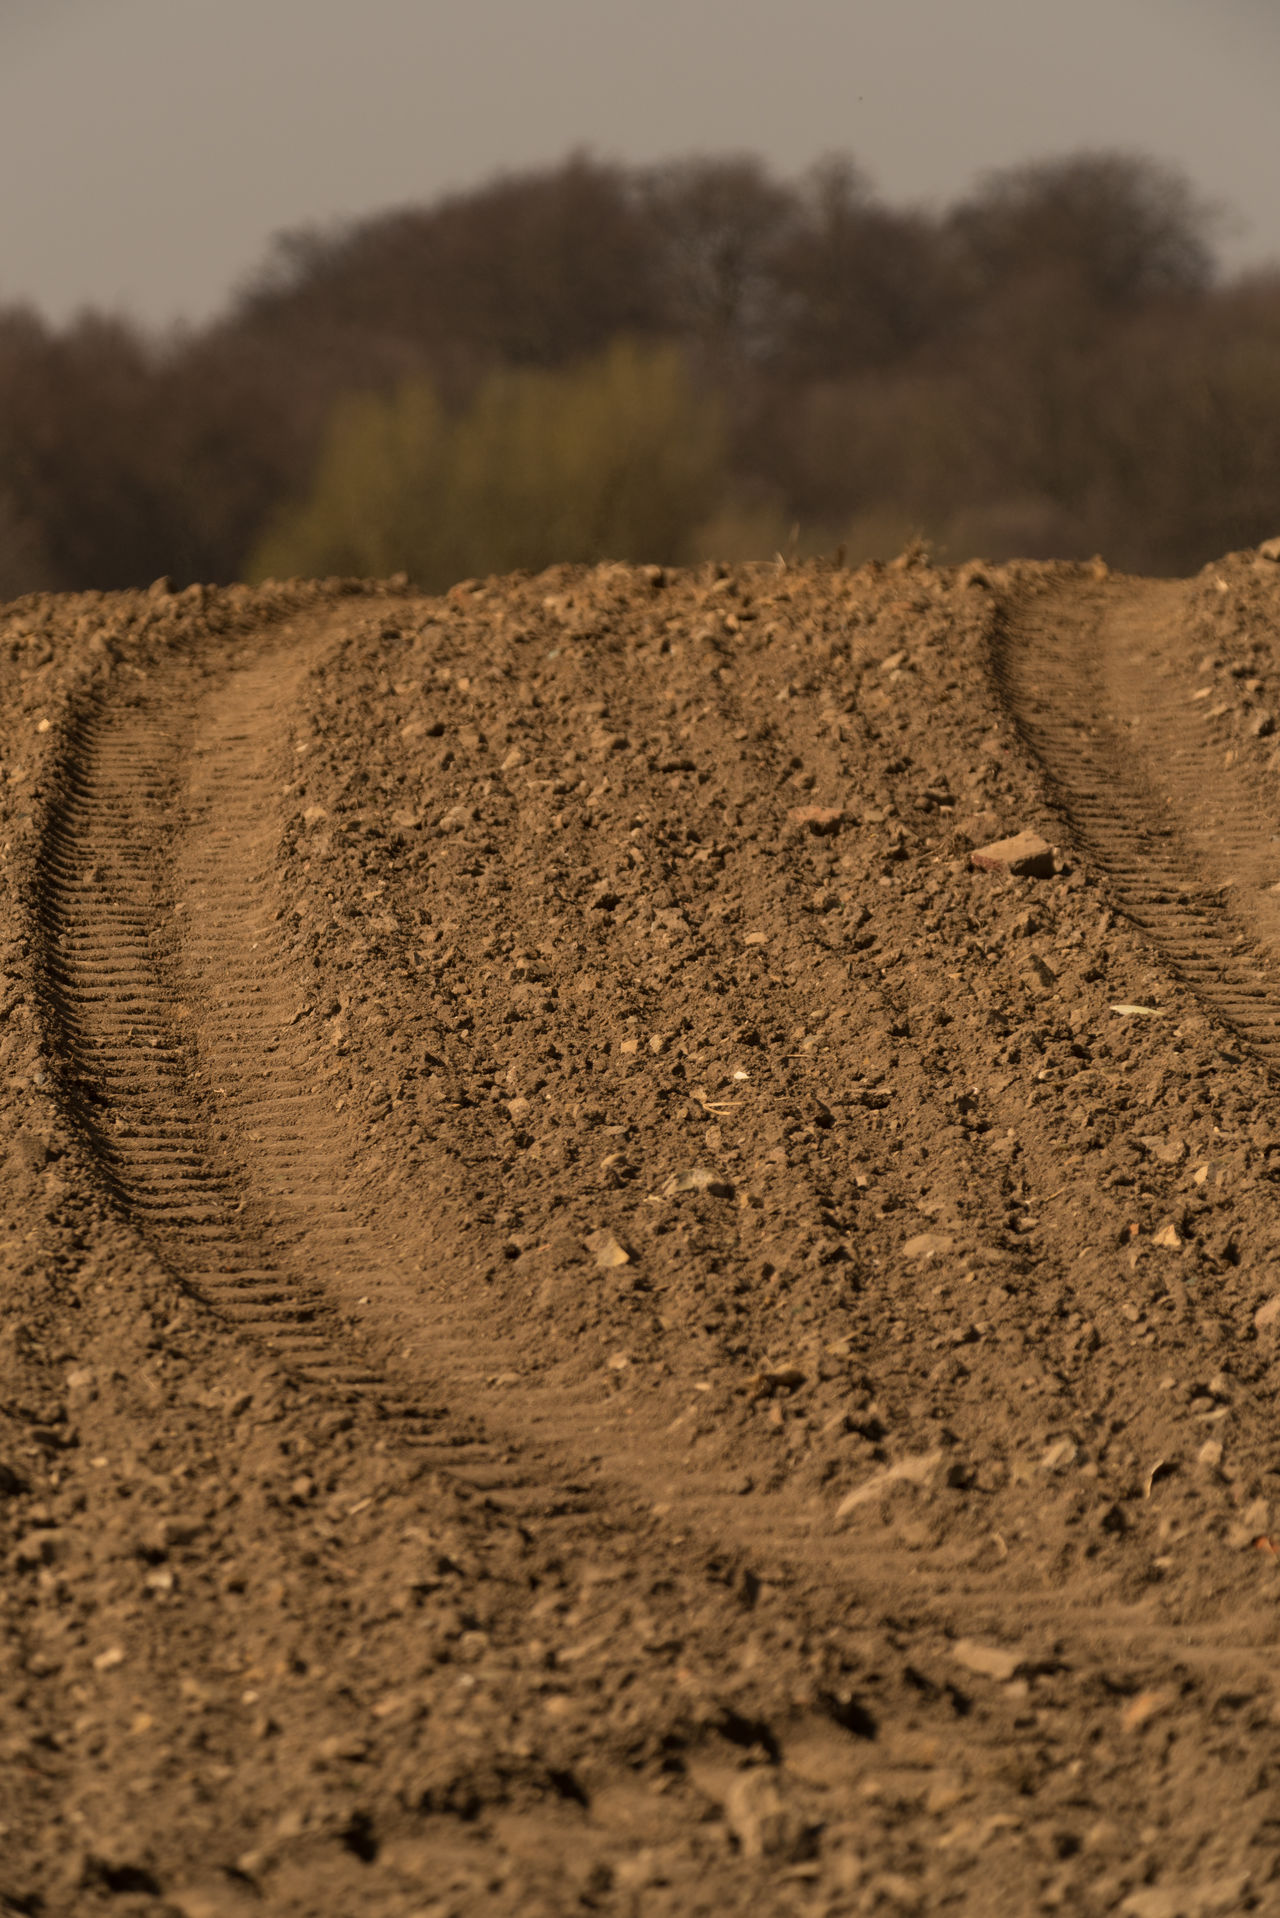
149, 936
131, 930
1094, 683
212, 1117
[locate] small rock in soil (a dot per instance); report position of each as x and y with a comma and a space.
819, 820
699, 1179
928, 1245
607, 1250
764, 1822
1145, 1706
987, 1661
788, 1378
1026, 856
908, 1471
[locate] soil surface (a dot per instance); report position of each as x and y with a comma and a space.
593, 1318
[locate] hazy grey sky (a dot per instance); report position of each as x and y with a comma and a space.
150, 148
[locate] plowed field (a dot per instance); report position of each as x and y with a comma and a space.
591, 1317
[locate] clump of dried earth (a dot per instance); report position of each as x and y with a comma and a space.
592, 1315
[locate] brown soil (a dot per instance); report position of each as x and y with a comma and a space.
592, 1319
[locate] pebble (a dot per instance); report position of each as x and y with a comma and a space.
1145, 1706
607, 1250
176, 1530
761, 1818
917, 1470
700, 1179
788, 1378
1026, 856
987, 1661
928, 1245
820, 820
1167, 1151
1043, 975
1267, 1315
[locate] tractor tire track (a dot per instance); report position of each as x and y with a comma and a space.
215, 1125
176, 1026
1096, 684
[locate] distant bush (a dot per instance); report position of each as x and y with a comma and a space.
617, 459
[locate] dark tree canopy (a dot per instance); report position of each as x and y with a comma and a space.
1115, 228
1050, 364
534, 269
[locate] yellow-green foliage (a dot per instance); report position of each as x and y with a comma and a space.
618, 459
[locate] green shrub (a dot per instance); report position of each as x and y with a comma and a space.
616, 459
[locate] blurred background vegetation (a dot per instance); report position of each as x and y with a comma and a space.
695, 360
620, 456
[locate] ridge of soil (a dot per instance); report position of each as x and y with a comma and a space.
592, 1320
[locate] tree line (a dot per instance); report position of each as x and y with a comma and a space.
697, 359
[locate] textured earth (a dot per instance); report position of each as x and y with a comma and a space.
595, 1318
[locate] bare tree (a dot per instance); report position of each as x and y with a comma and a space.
1114, 228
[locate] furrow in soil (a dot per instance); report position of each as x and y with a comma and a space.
193, 1069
